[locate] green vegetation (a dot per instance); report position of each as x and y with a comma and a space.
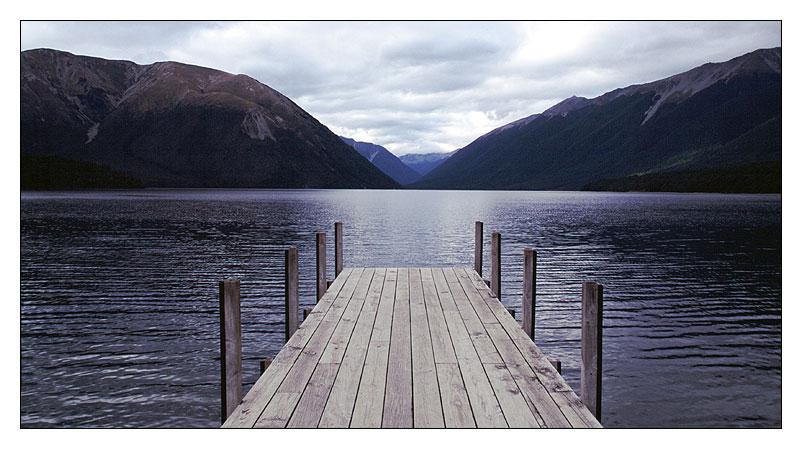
57, 173
759, 177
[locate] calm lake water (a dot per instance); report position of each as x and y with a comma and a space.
119, 310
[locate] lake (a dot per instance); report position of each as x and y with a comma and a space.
119, 321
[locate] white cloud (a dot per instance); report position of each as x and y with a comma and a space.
420, 86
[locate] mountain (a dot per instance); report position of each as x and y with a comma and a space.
716, 116
386, 161
176, 125
424, 163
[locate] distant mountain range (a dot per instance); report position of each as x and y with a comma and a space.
719, 116
172, 125
385, 161
94, 123
425, 162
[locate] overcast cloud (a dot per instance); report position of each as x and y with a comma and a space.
418, 87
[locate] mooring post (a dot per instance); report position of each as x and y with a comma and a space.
477, 248
264, 364
558, 365
495, 264
338, 248
321, 264
290, 292
230, 347
528, 307
592, 294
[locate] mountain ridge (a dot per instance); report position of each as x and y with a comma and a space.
707, 117
386, 161
172, 124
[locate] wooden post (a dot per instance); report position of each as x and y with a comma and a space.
592, 294
558, 365
338, 248
307, 311
290, 292
477, 248
264, 364
528, 308
230, 347
321, 264
495, 264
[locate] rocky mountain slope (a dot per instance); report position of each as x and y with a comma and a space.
425, 162
176, 125
385, 161
718, 115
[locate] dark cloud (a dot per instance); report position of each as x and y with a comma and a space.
420, 86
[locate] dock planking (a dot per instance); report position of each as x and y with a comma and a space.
410, 347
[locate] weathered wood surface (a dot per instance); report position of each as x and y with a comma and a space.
230, 347
495, 264
591, 346
290, 292
410, 347
338, 248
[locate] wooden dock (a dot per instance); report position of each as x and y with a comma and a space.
409, 348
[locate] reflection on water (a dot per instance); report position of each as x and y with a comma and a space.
119, 314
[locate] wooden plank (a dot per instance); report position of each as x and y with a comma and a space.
398, 392
441, 340
265, 387
370, 395
290, 292
591, 376
486, 409
495, 264
562, 394
230, 347
528, 300
335, 348
310, 405
301, 371
454, 397
476, 331
320, 258
480, 308
279, 410
338, 248
516, 410
535, 394
477, 247
340, 406
456, 405
316, 393
427, 408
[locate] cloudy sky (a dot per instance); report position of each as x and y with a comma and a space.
418, 87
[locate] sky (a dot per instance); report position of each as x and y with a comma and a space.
419, 87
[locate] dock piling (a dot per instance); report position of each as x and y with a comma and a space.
495, 264
477, 247
321, 264
558, 365
338, 248
528, 306
264, 364
592, 294
230, 347
290, 292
